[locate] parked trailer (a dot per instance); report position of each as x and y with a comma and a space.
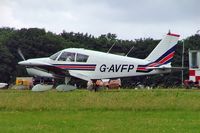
23, 83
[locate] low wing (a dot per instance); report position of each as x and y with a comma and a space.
58, 72
46, 67
80, 76
53, 69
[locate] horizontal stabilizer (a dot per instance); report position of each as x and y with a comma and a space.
166, 67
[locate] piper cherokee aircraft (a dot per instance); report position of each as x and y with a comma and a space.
92, 65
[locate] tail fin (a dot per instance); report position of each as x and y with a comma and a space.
163, 53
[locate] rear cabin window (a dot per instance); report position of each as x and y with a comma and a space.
67, 56
81, 58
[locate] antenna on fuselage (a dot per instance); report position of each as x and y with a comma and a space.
169, 32
20, 53
129, 51
111, 47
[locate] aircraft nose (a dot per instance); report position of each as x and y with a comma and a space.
23, 63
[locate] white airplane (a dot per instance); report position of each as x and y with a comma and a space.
92, 65
2, 85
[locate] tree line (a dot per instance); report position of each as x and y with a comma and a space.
35, 42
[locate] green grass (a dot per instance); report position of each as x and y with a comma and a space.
140, 111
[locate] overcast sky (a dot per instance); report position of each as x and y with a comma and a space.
129, 19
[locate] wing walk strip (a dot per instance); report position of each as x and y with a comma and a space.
164, 59
84, 67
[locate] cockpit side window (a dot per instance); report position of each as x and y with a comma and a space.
54, 56
81, 58
67, 56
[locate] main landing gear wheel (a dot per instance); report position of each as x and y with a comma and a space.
92, 85
64, 87
42, 87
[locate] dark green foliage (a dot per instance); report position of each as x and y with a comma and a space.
35, 42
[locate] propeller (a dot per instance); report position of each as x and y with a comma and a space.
20, 53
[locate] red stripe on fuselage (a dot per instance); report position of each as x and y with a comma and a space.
165, 59
154, 64
81, 67
168, 57
142, 68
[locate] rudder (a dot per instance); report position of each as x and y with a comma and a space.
164, 51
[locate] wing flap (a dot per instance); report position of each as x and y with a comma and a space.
44, 66
52, 69
80, 76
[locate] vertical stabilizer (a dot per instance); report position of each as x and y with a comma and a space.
163, 53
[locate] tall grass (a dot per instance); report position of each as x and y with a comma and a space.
104, 100
124, 111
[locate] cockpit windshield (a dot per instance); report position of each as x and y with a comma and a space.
54, 56
69, 56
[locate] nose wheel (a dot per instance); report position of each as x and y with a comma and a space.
67, 79
66, 86
92, 85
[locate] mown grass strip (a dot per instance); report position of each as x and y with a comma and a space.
85, 100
